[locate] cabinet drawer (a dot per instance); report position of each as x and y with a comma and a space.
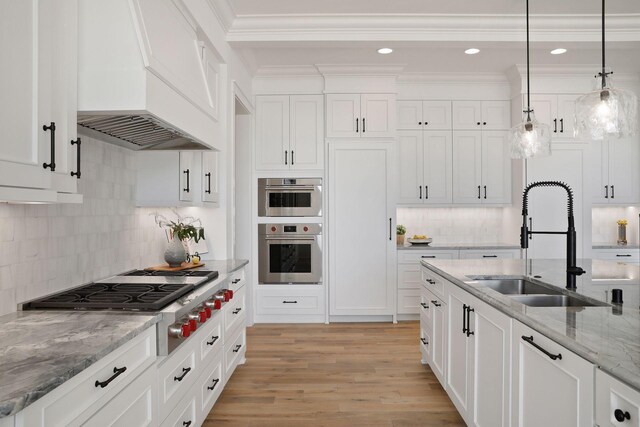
184, 415
67, 402
620, 255
615, 399
490, 254
409, 276
176, 376
298, 301
410, 256
210, 385
211, 342
425, 306
433, 282
235, 311
237, 280
425, 340
135, 405
234, 350
408, 301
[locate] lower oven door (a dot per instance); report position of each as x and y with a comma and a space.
289, 260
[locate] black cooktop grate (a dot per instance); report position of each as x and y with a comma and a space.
183, 273
127, 296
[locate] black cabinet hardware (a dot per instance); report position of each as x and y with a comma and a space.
469, 310
436, 303
555, 125
208, 190
389, 228
421, 192
428, 256
484, 123
426, 190
238, 347
234, 281
561, 125
52, 128
77, 142
551, 356
292, 158
426, 123
289, 302
464, 318
489, 256
116, 372
424, 305
215, 383
186, 172
424, 341
185, 371
286, 154
623, 255
236, 311
186, 423
485, 191
606, 191
213, 340
613, 191
621, 415
357, 125
478, 191
363, 128
478, 123
420, 123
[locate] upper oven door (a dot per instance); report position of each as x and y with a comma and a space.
303, 199
290, 260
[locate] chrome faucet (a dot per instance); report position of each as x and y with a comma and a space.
525, 232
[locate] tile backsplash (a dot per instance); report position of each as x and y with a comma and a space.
457, 225
47, 248
605, 229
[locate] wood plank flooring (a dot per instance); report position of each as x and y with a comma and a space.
344, 374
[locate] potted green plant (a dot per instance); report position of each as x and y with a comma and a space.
401, 230
178, 233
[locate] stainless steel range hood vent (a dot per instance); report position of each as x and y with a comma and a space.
138, 132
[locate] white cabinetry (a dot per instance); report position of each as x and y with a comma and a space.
490, 254
360, 193
550, 384
616, 404
556, 111
424, 115
629, 256
289, 132
210, 177
481, 167
614, 172
481, 115
425, 167
290, 303
361, 115
434, 325
39, 88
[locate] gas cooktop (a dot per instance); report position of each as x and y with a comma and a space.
183, 273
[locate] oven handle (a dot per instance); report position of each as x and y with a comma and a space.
291, 239
290, 187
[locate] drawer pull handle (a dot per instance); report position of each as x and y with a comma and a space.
623, 255
424, 341
236, 311
52, 128
289, 302
436, 303
213, 339
236, 281
185, 371
428, 256
186, 423
424, 305
621, 415
116, 373
215, 383
551, 356
469, 310
489, 256
77, 142
238, 347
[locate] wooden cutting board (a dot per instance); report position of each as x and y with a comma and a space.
184, 266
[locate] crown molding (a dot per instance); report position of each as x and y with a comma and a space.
568, 72
429, 27
279, 71
410, 78
223, 10
374, 70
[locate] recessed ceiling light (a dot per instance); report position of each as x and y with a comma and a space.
558, 51
385, 50
472, 51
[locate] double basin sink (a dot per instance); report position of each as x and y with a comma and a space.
534, 294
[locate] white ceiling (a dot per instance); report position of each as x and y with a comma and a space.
430, 35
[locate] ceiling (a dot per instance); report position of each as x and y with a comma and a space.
431, 36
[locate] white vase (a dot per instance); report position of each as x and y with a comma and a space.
175, 254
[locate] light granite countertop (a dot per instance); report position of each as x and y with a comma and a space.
607, 336
615, 246
458, 246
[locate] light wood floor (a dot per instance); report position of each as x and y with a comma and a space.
354, 374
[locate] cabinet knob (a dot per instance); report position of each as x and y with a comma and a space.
419, 123
621, 415
478, 123
484, 123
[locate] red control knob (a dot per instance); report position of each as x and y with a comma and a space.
202, 316
226, 296
207, 310
273, 229
217, 304
230, 294
306, 228
186, 330
193, 324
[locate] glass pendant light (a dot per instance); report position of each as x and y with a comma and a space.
606, 112
530, 138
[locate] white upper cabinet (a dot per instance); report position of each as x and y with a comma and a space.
424, 115
39, 88
614, 172
496, 167
556, 111
361, 116
210, 177
289, 132
188, 176
467, 171
481, 115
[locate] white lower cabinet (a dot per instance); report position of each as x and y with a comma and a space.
629, 256
616, 404
551, 385
290, 304
234, 351
210, 386
434, 323
184, 415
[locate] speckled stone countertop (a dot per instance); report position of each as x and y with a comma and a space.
607, 336
614, 246
40, 350
458, 246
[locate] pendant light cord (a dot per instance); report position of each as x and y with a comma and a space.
528, 82
604, 74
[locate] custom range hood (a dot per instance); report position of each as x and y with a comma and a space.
146, 79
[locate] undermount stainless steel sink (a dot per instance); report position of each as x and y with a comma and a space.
554, 301
517, 287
